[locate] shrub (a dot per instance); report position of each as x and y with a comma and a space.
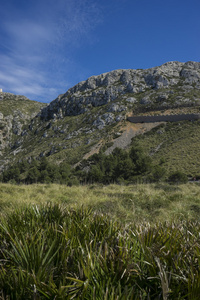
178, 177
157, 174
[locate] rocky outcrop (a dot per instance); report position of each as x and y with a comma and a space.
10, 96
119, 84
90, 110
16, 112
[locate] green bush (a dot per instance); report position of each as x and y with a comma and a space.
38, 171
178, 177
120, 165
157, 174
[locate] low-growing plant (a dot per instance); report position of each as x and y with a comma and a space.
52, 252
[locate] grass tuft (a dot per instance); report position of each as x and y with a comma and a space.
50, 251
99, 242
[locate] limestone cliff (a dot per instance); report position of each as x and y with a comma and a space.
168, 84
92, 112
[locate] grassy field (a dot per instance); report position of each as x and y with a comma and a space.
100, 242
133, 203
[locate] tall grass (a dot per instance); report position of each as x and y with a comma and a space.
49, 251
152, 203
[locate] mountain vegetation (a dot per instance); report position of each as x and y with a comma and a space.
91, 117
66, 230
120, 166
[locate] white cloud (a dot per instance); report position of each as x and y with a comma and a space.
39, 42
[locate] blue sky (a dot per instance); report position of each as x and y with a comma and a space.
47, 46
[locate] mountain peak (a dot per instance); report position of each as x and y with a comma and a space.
94, 112
125, 83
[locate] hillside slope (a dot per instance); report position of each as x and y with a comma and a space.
93, 114
16, 112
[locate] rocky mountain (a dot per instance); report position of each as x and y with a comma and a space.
16, 111
121, 88
92, 114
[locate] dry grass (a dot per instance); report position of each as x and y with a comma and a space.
133, 203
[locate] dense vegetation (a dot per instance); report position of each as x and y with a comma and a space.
120, 166
37, 171
54, 252
99, 242
131, 166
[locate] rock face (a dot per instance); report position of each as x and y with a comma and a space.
10, 96
120, 84
87, 112
16, 112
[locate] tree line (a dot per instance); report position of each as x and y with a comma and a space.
121, 166
37, 171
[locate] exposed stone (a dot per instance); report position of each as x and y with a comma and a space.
119, 118
116, 108
162, 97
24, 132
115, 92
9, 96
99, 123
190, 75
100, 90
45, 134
109, 118
113, 108
145, 100
131, 100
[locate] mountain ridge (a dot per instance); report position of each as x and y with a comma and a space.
96, 109
107, 87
